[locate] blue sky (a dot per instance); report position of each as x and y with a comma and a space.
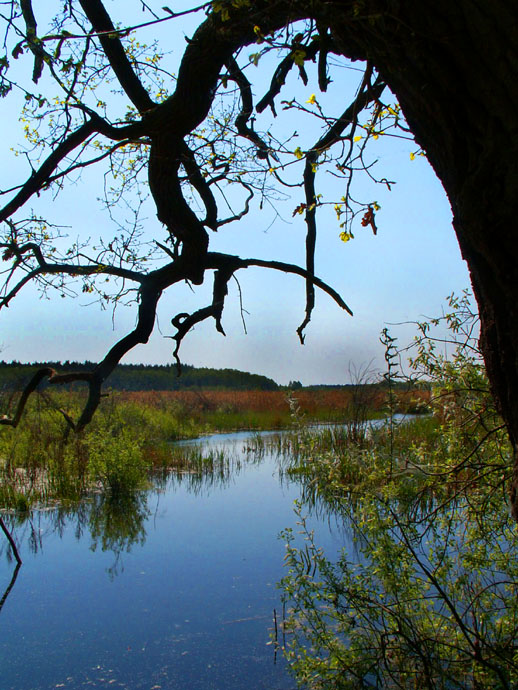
403, 273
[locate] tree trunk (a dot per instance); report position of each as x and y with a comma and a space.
454, 70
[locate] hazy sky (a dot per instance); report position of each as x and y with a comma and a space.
403, 273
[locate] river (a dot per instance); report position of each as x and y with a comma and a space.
174, 589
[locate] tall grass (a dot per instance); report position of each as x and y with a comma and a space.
131, 435
232, 410
40, 461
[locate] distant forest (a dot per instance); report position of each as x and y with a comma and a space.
144, 377
164, 377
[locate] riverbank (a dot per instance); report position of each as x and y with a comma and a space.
131, 434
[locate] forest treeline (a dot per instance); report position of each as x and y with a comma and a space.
144, 377
164, 377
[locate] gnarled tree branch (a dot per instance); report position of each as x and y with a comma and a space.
110, 42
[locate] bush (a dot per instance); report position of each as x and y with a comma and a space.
428, 596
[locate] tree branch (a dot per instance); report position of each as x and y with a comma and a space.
46, 268
33, 42
39, 179
247, 108
184, 322
297, 270
282, 71
311, 238
37, 378
119, 62
366, 95
201, 185
245, 210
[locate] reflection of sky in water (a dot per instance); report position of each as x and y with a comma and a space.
191, 607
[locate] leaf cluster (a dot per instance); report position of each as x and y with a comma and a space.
426, 594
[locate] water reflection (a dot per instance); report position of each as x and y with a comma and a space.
116, 522
112, 523
10, 585
192, 565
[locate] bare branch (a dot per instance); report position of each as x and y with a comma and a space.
366, 94
110, 42
184, 322
245, 210
297, 270
282, 72
226, 265
53, 268
32, 39
247, 108
128, 29
311, 237
325, 44
37, 378
201, 185
39, 179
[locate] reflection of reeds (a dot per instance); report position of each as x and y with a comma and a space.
198, 468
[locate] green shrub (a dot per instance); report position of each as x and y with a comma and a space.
433, 607
115, 460
428, 596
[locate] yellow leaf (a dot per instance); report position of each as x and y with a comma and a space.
345, 236
259, 34
358, 138
298, 153
412, 156
312, 99
298, 57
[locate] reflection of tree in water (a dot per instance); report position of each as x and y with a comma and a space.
10, 585
116, 523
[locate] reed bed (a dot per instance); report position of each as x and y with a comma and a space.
226, 410
131, 435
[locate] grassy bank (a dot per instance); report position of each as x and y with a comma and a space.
131, 435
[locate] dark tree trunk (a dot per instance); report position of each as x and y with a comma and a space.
454, 68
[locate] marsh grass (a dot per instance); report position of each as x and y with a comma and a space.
132, 433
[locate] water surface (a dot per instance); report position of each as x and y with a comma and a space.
174, 589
